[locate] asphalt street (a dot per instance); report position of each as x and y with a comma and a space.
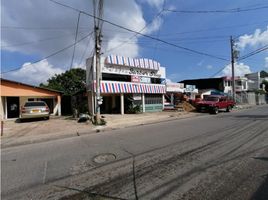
222, 156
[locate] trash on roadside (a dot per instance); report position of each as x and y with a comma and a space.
83, 118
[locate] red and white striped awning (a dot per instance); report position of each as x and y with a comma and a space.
128, 87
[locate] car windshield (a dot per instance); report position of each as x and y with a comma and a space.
31, 104
211, 98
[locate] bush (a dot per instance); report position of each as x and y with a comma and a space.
134, 109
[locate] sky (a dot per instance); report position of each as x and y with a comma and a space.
190, 38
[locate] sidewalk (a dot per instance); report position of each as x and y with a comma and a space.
61, 127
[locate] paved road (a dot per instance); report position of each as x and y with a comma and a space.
205, 157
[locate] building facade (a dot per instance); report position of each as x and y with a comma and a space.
125, 84
222, 84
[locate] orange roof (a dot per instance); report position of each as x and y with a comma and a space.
14, 88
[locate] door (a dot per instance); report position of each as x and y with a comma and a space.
13, 107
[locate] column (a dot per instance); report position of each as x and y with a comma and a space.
172, 98
59, 105
122, 103
143, 102
163, 101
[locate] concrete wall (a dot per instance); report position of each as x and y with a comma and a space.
251, 98
253, 81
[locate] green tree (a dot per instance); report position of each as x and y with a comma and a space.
69, 82
266, 85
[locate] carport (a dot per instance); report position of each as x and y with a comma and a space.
15, 94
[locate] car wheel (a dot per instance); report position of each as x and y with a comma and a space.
228, 109
215, 110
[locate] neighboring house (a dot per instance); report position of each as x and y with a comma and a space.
223, 84
206, 92
15, 94
126, 82
255, 80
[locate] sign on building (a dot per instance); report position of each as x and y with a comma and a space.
175, 87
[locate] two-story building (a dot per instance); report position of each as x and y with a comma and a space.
222, 84
126, 83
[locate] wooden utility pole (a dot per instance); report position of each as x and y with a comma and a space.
232, 64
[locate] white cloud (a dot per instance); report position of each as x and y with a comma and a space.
266, 62
200, 63
240, 70
156, 3
253, 40
37, 28
34, 74
209, 67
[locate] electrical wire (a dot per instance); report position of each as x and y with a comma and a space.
244, 57
233, 10
135, 35
38, 41
144, 35
53, 54
156, 43
254, 52
84, 53
76, 31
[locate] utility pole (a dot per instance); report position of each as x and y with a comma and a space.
232, 64
97, 53
97, 30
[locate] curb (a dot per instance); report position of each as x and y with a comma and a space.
98, 129
95, 129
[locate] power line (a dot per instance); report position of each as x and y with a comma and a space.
221, 69
39, 28
37, 41
156, 44
144, 35
254, 52
215, 28
135, 35
84, 53
53, 54
244, 57
233, 10
77, 26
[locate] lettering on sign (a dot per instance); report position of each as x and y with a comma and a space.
129, 71
142, 73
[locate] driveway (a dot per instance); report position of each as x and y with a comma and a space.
14, 130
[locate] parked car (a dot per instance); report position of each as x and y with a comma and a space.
34, 109
214, 103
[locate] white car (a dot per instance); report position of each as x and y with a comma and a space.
34, 109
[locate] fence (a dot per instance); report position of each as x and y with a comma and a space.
251, 98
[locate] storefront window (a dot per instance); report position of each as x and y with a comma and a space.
153, 99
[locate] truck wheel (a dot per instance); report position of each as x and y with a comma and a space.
216, 110
228, 109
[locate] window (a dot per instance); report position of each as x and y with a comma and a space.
153, 99
34, 103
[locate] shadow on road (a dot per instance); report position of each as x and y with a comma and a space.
262, 192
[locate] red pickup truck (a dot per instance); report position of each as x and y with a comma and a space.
214, 103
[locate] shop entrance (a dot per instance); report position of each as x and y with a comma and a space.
111, 105
13, 107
